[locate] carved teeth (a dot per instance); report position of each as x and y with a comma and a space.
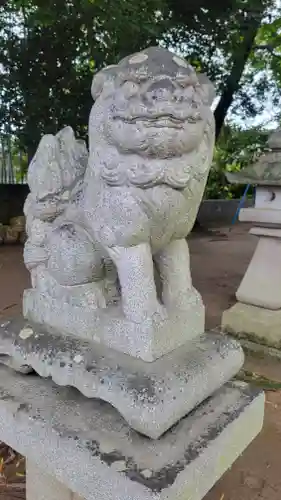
155, 118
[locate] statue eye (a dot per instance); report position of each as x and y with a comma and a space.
197, 99
189, 93
130, 89
183, 82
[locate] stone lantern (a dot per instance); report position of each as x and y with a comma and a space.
257, 314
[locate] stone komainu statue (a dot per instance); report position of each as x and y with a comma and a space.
100, 222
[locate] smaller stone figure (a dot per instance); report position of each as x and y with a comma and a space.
56, 181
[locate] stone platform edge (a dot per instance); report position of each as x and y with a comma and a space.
152, 397
254, 324
88, 447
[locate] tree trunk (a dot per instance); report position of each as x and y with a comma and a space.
240, 58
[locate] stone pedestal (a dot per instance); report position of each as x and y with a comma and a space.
78, 448
148, 340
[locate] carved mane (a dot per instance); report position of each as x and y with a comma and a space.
175, 172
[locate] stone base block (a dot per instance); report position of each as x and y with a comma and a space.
148, 340
260, 351
88, 447
152, 397
253, 323
42, 486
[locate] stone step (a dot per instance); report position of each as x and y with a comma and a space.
85, 447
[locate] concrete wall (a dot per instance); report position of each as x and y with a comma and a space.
219, 212
212, 212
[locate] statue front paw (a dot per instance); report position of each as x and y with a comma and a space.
156, 313
183, 299
160, 314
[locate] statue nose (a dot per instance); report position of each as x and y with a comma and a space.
160, 90
163, 84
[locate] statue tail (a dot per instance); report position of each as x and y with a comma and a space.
55, 175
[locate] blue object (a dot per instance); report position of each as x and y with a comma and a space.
241, 203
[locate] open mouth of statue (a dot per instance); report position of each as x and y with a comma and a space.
163, 122
158, 121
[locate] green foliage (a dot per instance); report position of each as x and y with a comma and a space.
235, 150
261, 78
49, 51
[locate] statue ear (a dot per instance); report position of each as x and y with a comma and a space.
102, 79
208, 88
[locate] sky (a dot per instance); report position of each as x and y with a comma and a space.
267, 117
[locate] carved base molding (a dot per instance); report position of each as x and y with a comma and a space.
151, 397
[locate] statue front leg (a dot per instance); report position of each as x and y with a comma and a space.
173, 263
136, 275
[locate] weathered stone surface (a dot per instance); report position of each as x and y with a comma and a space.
253, 323
110, 218
42, 486
148, 340
151, 396
88, 447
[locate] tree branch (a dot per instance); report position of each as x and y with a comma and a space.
240, 58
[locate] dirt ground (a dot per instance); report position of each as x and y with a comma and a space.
219, 258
